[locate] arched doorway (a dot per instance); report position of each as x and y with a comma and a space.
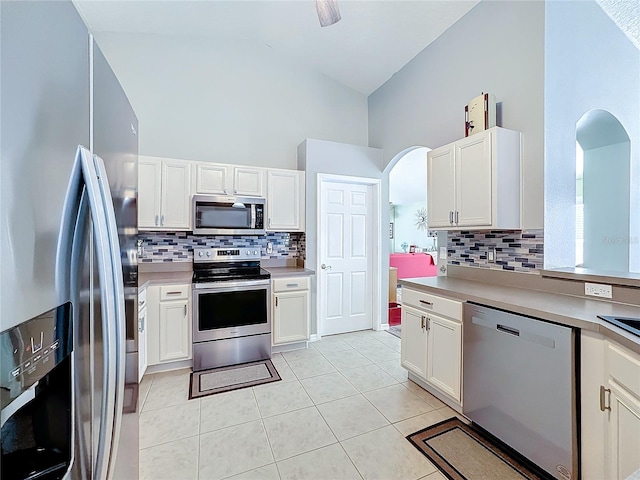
603, 170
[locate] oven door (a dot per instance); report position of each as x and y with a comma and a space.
231, 309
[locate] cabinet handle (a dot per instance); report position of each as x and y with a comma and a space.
422, 324
428, 324
141, 303
424, 302
292, 285
276, 301
451, 216
185, 309
457, 217
162, 220
603, 406
269, 222
174, 293
156, 220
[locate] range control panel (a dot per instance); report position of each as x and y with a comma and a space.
207, 255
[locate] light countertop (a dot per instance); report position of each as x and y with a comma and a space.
289, 271
563, 309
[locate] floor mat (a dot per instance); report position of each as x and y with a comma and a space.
463, 452
225, 379
395, 330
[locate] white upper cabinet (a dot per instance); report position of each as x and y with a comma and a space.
212, 179
221, 179
475, 182
164, 194
285, 201
149, 188
247, 181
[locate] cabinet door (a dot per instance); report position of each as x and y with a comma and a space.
624, 433
247, 181
175, 331
176, 196
142, 343
285, 200
153, 325
212, 179
149, 186
444, 355
413, 341
473, 181
440, 186
291, 317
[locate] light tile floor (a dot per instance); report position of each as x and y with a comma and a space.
341, 411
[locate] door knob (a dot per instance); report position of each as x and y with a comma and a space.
325, 267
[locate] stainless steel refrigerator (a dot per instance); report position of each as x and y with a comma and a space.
69, 221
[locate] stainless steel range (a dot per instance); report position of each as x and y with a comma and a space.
232, 308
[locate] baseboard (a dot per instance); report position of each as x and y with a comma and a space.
384, 326
289, 347
313, 337
436, 393
166, 367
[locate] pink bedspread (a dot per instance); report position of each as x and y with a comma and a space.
411, 265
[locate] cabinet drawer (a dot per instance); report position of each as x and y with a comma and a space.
174, 292
290, 284
432, 303
623, 367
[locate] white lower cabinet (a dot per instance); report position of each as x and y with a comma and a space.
413, 338
610, 409
142, 334
290, 310
168, 323
444, 348
431, 341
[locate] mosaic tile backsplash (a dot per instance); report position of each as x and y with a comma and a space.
519, 251
178, 246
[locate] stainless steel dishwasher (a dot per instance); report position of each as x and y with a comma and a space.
520, 384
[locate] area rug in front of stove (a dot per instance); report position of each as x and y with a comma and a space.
463, 452
225, 379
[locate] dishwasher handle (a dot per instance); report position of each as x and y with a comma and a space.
509, 330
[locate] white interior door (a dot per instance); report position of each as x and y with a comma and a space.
346, 233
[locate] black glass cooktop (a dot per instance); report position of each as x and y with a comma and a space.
630, 324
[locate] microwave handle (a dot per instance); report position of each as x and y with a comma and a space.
253, 215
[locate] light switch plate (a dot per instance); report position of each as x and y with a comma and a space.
491, 255
443, 253
597, 290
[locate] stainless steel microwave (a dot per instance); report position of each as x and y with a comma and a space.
224, 215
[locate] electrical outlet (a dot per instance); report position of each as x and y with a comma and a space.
269, 247
491, 255
597, 290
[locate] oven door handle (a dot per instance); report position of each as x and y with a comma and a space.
226, 285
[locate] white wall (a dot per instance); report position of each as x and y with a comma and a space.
406, 229
318, 156
209, 100
498, 47
589, 64
408, 178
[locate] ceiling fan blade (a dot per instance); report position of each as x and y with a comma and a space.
328, 12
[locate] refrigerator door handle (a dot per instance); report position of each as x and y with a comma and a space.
118, 351
108, 304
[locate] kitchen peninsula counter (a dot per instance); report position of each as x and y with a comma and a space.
563, 309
